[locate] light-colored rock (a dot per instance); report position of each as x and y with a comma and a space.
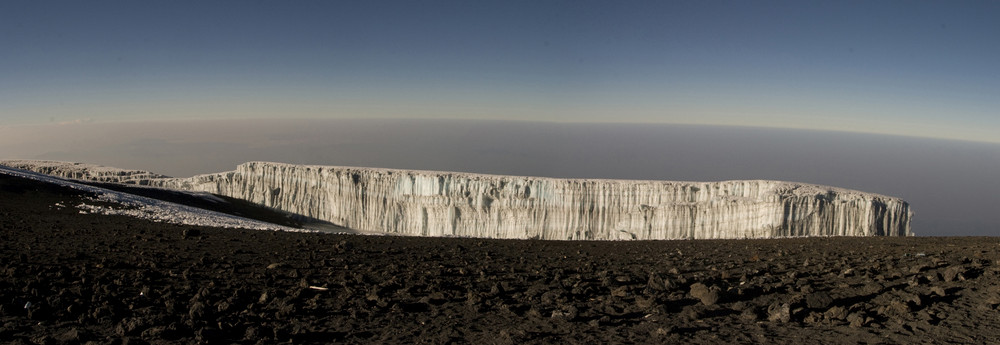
433, 203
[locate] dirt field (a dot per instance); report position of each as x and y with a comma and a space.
73, 278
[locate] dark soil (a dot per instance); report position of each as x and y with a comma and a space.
67, 277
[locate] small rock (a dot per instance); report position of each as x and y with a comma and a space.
197, 311
952, 273
661, 331
836, 313
533, 313
818, 300
707, 295
856, 319
692, 313
41, 340
252, 333
907, 297
658, 283
894, 309
645, 303
188, 233
130, 326
70, 336
779, 312
993, 300
620, 291
749, 314
872, 288
813, 318
344, 245
937, 290
566, 312
154, 332
918, 268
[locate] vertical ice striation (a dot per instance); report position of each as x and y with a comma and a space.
83, 171
432, 203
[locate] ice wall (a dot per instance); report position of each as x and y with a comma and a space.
82, 171
430, 203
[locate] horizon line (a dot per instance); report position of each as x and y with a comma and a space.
91, 122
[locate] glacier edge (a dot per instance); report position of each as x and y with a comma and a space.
434, 203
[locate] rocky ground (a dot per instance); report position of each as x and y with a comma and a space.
67, 277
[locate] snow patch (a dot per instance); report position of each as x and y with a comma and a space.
148, 208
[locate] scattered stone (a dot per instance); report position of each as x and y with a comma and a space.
993, 300
895, 308
658, 283
813, 318
818, 300
566, 312
693, 312
620, 291
918, 268
779, 312
645, 303
952, 273
661, 331
197, 311
130, 326
69, 336
343, 245
937, 290
857, 319
707, 295
836, 313
749, 314
907, 297
872, 288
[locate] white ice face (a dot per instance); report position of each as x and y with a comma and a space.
433, 203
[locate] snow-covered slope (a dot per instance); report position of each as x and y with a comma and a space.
431, 203
143, 207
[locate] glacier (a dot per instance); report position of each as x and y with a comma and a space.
84, 171
436, 203
145, 208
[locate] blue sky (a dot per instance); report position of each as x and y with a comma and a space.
918, 68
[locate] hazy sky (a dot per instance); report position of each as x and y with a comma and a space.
951, 185
921, 68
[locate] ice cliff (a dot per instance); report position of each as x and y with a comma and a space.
82, 171
432, 203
